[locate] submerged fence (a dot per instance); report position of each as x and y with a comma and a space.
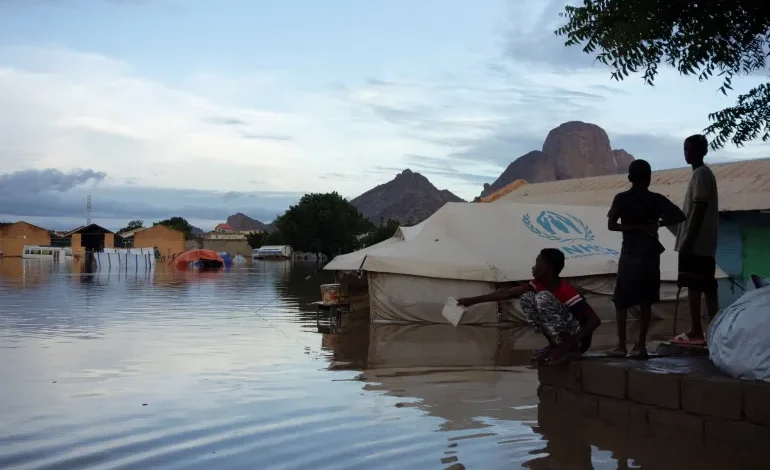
126, 259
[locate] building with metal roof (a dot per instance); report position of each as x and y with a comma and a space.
90, 238
14, 236
166, 240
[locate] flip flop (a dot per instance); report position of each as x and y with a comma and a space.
684, 340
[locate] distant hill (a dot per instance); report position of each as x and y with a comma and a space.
195, 230
242, 222
572, 150
409, 198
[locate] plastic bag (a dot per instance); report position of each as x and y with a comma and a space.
452, 311
739, 336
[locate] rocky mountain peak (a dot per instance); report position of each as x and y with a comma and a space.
242, 222
408, 198
573, 149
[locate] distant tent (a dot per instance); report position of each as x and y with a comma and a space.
199, 258
469, 249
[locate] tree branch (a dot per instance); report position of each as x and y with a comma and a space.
728, 38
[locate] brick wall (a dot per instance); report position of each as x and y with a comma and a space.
685, 398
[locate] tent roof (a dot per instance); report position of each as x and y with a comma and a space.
499, 243
197, 254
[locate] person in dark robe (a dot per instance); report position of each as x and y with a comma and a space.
638, 213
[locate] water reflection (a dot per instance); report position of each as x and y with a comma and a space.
228, 369
26, 272
432, 345
590, 443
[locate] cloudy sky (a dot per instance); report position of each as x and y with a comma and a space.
203, 108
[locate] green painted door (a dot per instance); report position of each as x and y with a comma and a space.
756, 251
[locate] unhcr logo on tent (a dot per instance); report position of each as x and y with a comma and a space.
567, 229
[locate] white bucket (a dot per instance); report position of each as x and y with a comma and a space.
331, 294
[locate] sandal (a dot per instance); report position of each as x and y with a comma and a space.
617, 352
685, 340
639, 352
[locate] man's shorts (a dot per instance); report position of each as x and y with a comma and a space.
697, 272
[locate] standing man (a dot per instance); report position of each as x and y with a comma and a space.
696, 240
638, 213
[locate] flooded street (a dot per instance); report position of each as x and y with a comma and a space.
229, 370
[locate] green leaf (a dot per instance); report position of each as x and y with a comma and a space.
729, 37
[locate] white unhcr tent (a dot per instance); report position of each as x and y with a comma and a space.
468, 249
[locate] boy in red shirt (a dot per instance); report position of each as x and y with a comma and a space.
552, 307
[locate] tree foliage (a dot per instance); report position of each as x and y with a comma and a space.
381, 233
178, 223
323, 223
727, 38
256, 240
133, 225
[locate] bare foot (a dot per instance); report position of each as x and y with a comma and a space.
689, 339
639, 352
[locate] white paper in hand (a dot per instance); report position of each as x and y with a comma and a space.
453, 312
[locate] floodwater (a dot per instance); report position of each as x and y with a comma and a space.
229, 370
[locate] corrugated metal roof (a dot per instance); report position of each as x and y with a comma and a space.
743, 186
131, 233
10, 224
84, 227
503, 191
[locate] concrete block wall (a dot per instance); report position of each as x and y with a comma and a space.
701, 407
234, 247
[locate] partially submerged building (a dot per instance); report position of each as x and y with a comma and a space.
90, 238
14, 236
166, 240
744, 210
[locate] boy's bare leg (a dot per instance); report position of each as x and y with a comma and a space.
644, 324
696, 332
712, 304
640, 349
621, 315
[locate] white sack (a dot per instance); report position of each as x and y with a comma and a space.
739, 337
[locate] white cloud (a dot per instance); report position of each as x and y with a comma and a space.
80, 110
214, 131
